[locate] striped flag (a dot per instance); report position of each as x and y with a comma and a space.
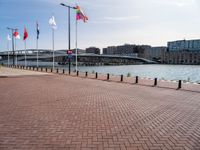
80, 15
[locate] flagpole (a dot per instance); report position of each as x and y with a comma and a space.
53, 45
16, 49
8, 51
37, 50
25, 51
8, 59
76, 48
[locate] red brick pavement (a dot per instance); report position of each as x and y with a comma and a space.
63, 112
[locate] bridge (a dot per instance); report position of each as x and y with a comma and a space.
62, 58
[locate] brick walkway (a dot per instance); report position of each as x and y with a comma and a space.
9, 72
62, 112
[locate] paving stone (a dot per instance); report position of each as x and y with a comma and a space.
63, 112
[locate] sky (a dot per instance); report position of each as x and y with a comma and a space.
111, 22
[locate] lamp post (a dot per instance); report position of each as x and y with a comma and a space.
69, 36
12, 31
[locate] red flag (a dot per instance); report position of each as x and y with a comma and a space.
25, 34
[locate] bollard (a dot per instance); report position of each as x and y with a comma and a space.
136, 79
108, 76
37, 68
46, 69
155, 82
63, 71
86, 74
122, 78
96, 75
77, 73
51, 70
179, 84
69, 71
57, 70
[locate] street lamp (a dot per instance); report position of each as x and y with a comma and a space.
12, 31
69, 37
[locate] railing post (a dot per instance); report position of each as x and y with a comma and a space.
96, 75
122, 78
155, 82
108, 76
86, 74
77, 73
63, 71
179, 84
136, 79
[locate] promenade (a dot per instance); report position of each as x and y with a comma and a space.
50, 111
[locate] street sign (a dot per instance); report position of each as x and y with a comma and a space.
69, 52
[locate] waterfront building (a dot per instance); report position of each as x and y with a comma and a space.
111, 50
190, 45
184, 57
156, 53
126, 50
185, 52
93, 50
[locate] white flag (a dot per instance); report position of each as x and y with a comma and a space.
52, 22
8, 37
16, 35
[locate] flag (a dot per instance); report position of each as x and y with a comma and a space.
80, 15
8, 37
37, 30
52, 22
25, 34
16, 35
